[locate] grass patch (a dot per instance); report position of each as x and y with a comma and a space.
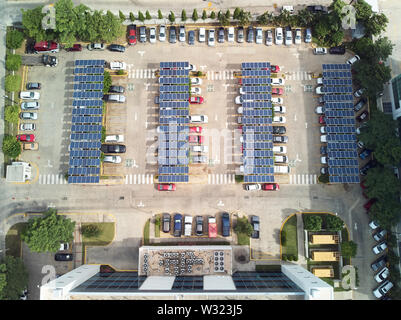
243, 239
157, 226
13, 240
289, 235
268, 267
146, 233
105, 236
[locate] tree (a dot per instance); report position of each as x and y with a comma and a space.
44, 234
11, 146
236, 13
106, 82
374, 52
13, 62
380, 182
13, 278
171, 16
195, 15
32, 22
228, 14
159, 14
11, 114
148, 16
312, 222
305, 18
265, 19
348, 249
183, 15
243, 226
66, 22
131, 17
337, 38
212, 15
334, 223
363, 10
223, 19
376, 24
12, 82
141, 17
386, 211
121, 15
14, 39
204, 15
244, 17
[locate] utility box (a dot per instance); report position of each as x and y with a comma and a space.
18, 172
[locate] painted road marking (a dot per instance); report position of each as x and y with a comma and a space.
303, 179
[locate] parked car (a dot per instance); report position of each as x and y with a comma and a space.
34, 95
112, 159
298, 36
225, 224
231, 34
172, 35
196, 100
323, 170
278, 91
359, 92
27, 127
26, 137
196, 90
199, 159
317, 9
259, 35
199, 225
337, 50
359, 105
116, 48
199, 148
379, 263
210, 40
116, 89
196, 81
279, 130
191, 37
152, 35
323, 150
63, 257
114, 98
319, 51
162, 33
187, 226
195, 129
142, 34
373, 225
308, 35
252, 187
131, 34
365, 153
368, 204
255, 222
363, 116
279, 36
177, 225
354, 59
30, 146
28, 115
380, 234
115, 138
280, 139
196, 139
240, 34
182, 33
279, 109
379, 248
33, 86
280, 149
269, 37
270, 186
118, 65
382, 290
96, 46
166, 187
198, 119
279, 119
322, 120
113, 148
250, 35
382, 275
202, 35
288, 36
320, 110
277, 100
166, 220
221, 35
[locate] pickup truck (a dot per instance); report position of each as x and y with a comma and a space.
212, 227
47, 60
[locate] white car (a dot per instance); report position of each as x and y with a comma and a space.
118, 65
192, 67
196, 90
112, 159
280, 159
280, 149
27, 127
279, 36
383, 289
354, 59
29, 95
199, 148
152, 35
211, 38
373, 225
279, 109
181, 35
64, 246
323, 130
382, 275
319, 80
319, 110
162, 33
198, 119
379, 248
117, 138
259, 35
279, 119
240, 110
320, 51
202, 35
298, 36
196, 81
269, 37
288, 37
323, 138
253, 187
323, 160
277, 81
239, 120
29, 115
231, 34
238, 100
31, 105
277, 100
319, 90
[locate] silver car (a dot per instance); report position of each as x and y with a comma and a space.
27, 127
162, 33
29, 115
269, 37
32, 105
259, 36
210, 40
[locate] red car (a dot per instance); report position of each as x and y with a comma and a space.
274, 69
270, 186
75, 47
195, 129
362, 184
321, 120
131, 34
46, 46
26, 137
166, 187
195, 100
277, 91
196, 139
368, 204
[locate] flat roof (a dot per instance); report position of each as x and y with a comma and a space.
325, 255
324, 239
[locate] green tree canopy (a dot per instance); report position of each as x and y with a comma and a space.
380, 182
374, 52
32, 22
141, 17
312, 222
372, 76
244, 17
13, 278
376, 24
236, 13
171, 16
195, 15
131, 17
243, 226
121, 15
44, 234
363, 10
228, 14
386, 211
148, 16
159, 14
106, 82
334, 223
11, 114
348, 249
183, 15
13, 82
305, 18
204, 15
224, 21
14, 39
212, 15
265, 18
13, 62
11, 147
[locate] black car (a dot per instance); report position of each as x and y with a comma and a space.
116, 48
177, 225
366, 167
255, 222
63, 256
191, 37
323, 150
317, 9
113, 148
225, 224
199, 225
279, 130
116, 89
280, 139
250, 36
359, 105
166, 222
379, 263
337, 50
172, 35
220, 38
33, 86
142, 34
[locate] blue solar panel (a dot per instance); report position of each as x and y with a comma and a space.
337, 82
173, 178
170, 73
258, 153
174, 88
79, 179
256, 89
257, 137
337, 74
83, 171
174, 112
88, 78
333, 113
257, 112
86, 137
341, 137
342, 154
173, 120
255, 81
86, 119
86, 128
173, 80
339, 105
88, 94
87, 111
341, 146
344, 171
339, 129
344, 179
336, 89
257, 145
88, 71
336, 66
174, 65
87, 103
258, 179
174, 96
88, 86
259, 120
256, 97
255, 73
257, 104
257, 129
84, 162
341, 121
89, 63
255, 65
338, 97
84, 153
174, 104
258, 170
83, 145
342, 162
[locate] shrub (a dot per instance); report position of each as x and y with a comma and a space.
204, 15
183, 15
243, 226
106, 82
131, 17
13, 62
236, 13
324, 178
141, 17
14, 39
283, 238
11, 114
348, 249
334, 223
122, 16
103, 134
148, 16
171, 16
120, 72
239, 178
284, 257
195, 15
213, 15
90, 230
295, 258
13, 83
159, 14
312, 222
11, 146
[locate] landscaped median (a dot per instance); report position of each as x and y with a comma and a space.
289, 240
96, 234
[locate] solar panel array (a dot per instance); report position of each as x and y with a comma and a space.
173, 152
258, 161
343, 166
84, 164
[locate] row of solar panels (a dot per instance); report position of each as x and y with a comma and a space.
331, 146
344, 171
172, 153
173, 80
179, 120
173, 169
88, 78
83, 179
172, 161
174, 88
338, 105
171, 73
338, 97
257, 137
257, 104
173, 128
174, 112
174, 145
173, 137
252, 161
258, 145
258, 153
342, 154
82, 145
88, 94
85, 137
259, 120
256, 96
87, 111
255, 81
259, 179
255, 73
174, 104
248, 112
257, 129
344, 179
336, 89
84, 162
83, 171
341, 137
339, 114
88, 86
86, 128
256, 89
86, 119
89, 71
87, 103
258, 170
173, 178
336, 74
84, 153
174, 96
174, 65
255, 65
345, 129
336, 66
343, 162
337, 82
89, 63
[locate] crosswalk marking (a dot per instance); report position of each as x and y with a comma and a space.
220, 75
305, 179
299, 76
139, 179
220, 178
52, 179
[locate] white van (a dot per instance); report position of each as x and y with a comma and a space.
290, 9
281, 169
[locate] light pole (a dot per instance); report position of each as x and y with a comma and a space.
4, 96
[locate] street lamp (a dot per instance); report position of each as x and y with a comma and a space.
4, 96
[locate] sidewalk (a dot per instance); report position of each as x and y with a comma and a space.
301, 241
